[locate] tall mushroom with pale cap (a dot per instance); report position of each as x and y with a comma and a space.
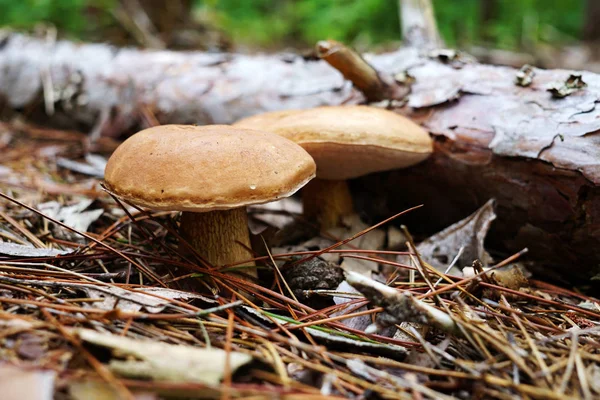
210, 173
346, 142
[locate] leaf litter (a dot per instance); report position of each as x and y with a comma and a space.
165, 362
104, 304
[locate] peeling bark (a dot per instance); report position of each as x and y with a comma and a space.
537, 155
553, 212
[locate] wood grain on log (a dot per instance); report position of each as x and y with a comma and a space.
539, 156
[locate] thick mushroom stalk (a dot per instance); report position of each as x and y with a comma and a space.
220, 237
327, 202
210, 173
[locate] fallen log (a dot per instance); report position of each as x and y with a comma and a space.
534, 151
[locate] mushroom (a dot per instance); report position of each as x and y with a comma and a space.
346, 142
210, 173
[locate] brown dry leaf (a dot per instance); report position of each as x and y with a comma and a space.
352, 224
594, 374
74, 215
571, 85
512, 278
525, 75
396, 238
127, 300
401, 334
590, 305
373, 240
439, 249
94, 165
280, 208
26, 384
455, 58
424, 359
313, 244
165, 362
361, 322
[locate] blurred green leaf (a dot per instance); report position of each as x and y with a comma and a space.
71, 16
362, 23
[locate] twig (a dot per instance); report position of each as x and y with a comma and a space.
452, 264
570, 362
401, 306
374, 85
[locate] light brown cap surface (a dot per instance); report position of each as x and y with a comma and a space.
260, 121
204, 168
350, 141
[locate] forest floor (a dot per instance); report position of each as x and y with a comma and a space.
96, 299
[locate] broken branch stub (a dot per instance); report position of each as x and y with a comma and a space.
376, 86
401, 306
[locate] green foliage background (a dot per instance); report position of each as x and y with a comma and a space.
74, 17
363, 23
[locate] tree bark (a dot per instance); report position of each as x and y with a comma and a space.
538, 155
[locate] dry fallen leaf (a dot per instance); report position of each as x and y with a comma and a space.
352, 224
94, 167
165, 362
373, 240
512, 278
19, 250
525, 75
132, 301
590, 305
73, 215
571, 85
361, 322
439, 249
278, 216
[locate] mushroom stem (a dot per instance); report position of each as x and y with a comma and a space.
327, 201
221, 237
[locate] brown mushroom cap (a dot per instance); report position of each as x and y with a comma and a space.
350, 141
260, 121
205, 168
